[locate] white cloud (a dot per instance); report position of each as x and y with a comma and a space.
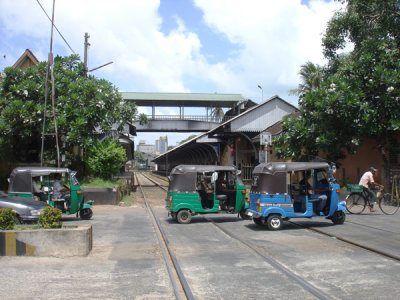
277, 37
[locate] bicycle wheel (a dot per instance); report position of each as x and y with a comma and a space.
389, 205
355, 203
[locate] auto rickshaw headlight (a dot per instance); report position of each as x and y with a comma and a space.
338, 191
79, 192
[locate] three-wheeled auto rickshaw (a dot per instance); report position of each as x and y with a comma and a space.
282, 190
22, 183
204, 189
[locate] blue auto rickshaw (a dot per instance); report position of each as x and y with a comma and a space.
284, 190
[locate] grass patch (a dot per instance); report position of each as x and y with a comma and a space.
98, 182
128, 200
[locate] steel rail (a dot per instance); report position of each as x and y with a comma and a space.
276, 265
155, 182
376, 251
161, 236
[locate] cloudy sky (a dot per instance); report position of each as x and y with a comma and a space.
200, 46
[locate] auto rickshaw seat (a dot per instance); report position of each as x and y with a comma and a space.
221, 197
58, 199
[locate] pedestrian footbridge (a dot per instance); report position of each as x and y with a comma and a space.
213, 103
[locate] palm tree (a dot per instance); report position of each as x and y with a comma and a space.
311, 76
217, 114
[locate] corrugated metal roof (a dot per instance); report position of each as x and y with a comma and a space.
262, 116
183, 99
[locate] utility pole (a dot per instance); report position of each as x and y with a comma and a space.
86, 69
50, 67
85, 55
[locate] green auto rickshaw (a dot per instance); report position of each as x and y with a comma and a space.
38, 183
205, 189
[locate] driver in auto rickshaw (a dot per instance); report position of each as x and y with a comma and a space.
60, 191
316, 195
222, 189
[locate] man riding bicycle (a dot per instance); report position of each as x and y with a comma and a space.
367, 181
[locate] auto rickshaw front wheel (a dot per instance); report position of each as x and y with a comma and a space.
184, 216
338, 217
274, 222
86, 213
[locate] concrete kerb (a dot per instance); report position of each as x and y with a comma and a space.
71, 240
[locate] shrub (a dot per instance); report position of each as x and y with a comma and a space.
106, 158
50, 217
7, 219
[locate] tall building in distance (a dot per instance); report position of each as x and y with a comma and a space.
146, 148
162, 144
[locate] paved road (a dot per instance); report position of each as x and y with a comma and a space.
126, 262
220, 268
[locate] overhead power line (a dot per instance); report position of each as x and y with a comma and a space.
55, 27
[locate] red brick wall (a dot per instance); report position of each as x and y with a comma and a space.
353, 166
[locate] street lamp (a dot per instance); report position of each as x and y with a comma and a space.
262, 92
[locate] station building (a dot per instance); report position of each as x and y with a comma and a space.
231, 142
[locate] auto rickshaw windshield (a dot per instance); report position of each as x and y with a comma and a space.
182, 182
269, 183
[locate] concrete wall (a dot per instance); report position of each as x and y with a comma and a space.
72, 240
102, 196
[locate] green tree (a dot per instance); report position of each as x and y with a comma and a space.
83, 107
187, 139
359, 95
140, 157
311, 77
106, 158
217, 114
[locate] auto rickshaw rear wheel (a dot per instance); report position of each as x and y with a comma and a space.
86, 213
338, 217
274, 222
184, 216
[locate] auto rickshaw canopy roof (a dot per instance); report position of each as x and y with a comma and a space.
38, 171
274, 167
184, 169
21, 177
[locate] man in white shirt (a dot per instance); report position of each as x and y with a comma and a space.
366, 181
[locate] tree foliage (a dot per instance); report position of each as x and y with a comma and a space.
106, 158
140, 157
360, 90
187, 139
83, 107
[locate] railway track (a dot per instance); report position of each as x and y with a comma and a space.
348, 241
258, 251
178, 281
272, 262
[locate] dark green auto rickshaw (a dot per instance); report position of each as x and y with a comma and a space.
205, 189
22, 184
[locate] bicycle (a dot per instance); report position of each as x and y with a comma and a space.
358, 199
